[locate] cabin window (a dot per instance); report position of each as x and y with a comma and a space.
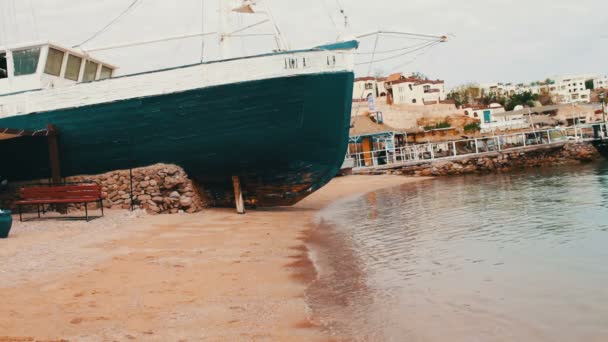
3, 66
26, 61
54, 62
72, 70
105, 73
90, 71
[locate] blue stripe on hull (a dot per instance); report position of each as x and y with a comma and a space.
284, 136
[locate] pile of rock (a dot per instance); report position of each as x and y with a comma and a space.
569, 153
158, 189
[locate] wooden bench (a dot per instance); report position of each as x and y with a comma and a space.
66, 194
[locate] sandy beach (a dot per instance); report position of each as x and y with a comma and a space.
213, 276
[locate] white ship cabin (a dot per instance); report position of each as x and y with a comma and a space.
45, 65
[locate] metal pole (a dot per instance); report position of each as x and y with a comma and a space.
602, 98
131, 186
54, 154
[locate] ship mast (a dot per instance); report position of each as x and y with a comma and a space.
226, 31
224, 28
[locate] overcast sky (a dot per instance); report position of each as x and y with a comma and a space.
493, 40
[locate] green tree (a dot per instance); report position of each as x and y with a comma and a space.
419, 75
492, 98
525, 99
464, 94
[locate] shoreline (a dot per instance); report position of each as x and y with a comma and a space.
214, 275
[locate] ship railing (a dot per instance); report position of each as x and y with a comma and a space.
455, 149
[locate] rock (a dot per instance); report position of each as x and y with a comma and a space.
174, 194
144, 184
144, 198
426, 173
185, 201
157, 199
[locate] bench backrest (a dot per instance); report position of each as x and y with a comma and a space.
79, 191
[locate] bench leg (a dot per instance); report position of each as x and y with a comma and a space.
86, 212
38, 207
101, 206
20, 215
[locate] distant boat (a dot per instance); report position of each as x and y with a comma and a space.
279, 121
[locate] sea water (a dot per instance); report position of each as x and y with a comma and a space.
506, 257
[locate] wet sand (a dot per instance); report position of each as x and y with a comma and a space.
213, 276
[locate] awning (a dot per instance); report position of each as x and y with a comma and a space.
52, 133
11, 133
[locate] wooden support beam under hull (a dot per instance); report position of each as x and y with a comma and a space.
238, 195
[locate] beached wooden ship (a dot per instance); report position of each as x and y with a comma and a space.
277, 121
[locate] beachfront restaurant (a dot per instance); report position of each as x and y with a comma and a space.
372, 143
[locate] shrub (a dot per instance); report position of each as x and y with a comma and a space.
472, 127
437, 126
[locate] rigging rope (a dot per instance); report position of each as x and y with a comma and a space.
34, 20
202, 30
413, 59
343, 13
329, 15
394, 50
13, 15
428, 45
112, 22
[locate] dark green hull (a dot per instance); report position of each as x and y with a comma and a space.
285, 137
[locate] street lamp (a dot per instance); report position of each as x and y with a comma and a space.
603, 100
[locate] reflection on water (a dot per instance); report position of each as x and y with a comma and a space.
499, 257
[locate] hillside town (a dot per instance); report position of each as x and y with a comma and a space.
399, 111
422, 107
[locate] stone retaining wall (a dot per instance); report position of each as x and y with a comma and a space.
158, 189
568, 153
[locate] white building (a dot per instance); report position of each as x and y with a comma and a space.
600, 82
498, 89
381, 87
364, 86
416, 91
571, 89
495, 118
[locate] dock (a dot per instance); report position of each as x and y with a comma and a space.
453, 150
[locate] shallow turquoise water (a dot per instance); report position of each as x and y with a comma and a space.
520, 256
